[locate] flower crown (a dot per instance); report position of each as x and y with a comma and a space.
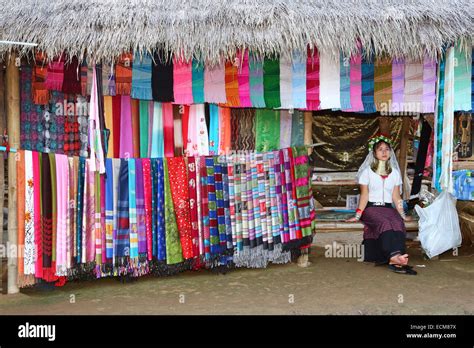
379, 137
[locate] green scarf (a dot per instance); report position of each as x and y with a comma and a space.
267, 130
271, 83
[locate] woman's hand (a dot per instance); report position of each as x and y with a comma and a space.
352, 219
407, 218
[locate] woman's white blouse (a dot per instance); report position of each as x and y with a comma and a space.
380, 190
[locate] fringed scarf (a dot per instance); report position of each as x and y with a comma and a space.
242, 129
429, 85
98, 232
38, 217
398, 85
312, 80
183, 82
126, 139
55, 75
108, 80
81, 183
462, 80
168, 129
72, 78
198, 140
192, 185
158, 202
285, 128
271, 83
29, 251
148, 197
162, 78
71, 250
179, 190
214, 84
198, 82
256, 82
123, 216
243, 78
382, 84
214, 246
116, 164
204, 208
132, 211
39, 90
141, 213
109, 209
144, 124
174, 252
220, 208
329, 80
214, 130
298, 80
345, 78
281, 197
157, 146
286, 83
297, 128
413, 92
232, 83
225, 130
109, 122
141, 77
123, 74
89, 227
367, 69
62, 177
267, 130
21, 216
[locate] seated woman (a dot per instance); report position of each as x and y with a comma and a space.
384, 228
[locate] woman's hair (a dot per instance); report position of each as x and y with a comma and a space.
375, 164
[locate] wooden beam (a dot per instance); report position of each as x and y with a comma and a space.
402, 157
308, 130
3, 124
13, 124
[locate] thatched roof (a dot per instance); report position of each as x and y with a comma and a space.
208, 29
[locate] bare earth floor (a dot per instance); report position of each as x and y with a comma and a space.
327, 286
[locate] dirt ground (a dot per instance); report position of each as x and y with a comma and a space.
327, 286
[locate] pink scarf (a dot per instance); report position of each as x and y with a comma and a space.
214, 84
126, 141
168, 129
243, 76
182, 82
37, 214
355, 76
429, 85
62, 203
312, 80
398, 84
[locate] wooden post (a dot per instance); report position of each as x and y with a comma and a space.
13, 124
3, 284
402, 157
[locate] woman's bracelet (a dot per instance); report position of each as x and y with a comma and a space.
358, 214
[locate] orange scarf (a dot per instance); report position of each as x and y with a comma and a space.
123, 74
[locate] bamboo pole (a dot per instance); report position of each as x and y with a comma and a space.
13, 124
2, 171
402, 157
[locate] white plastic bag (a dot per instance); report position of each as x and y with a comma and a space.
439, 225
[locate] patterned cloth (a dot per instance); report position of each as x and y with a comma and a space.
267, 129
256, 82
367, 77
312, 80
271, 82
123, 74
243, 78
242, 129
141, 77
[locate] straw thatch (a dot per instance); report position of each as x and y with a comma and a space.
210, 29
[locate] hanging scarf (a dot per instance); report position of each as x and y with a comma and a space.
286, 83
250, 200
174, 252
220, 206
281, 196
299, 80
103, 228
179, 192
398, 85
214, 84
267, 130
198, 140
413, 92
193, 204
225, 130
242, 129
232, 83
382, 84
72, 80
123, 211
38, 216
52, 163
232, 198
98, 222
312, 80
256, 82
214, 130
116, 164
135, 127
162, 78
83, 77
367, 77
71, 251
183, 81
271, 83
141, 213
472, 80
157, 146
168, 129
123, 74
285, 128
226, 201
184, 112
329, 81
109, 208
144, 124
287, 179
159, 208
355, 84
126, 131
141, 77
29, 251
429, 85
89, 228
462, 80
109, 121
204, 212
39, 91
89, 79
72, 141
21, 216
132, 211
116, 117
62, 176
345, 78
258, 175
147, 196
80, 207
178, 130
243, 78
108, 80
53, 124
95, 136
55, 75
212, 206
198, 82
297, 128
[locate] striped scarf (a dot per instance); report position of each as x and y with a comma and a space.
256, 82
123, 74
367, 77
271, 83
141, 77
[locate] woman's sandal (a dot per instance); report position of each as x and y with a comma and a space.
402, 269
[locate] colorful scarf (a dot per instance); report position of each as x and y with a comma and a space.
243, 78
81, 183
135, 105
462, 80
345, 78
21, 215
109, 122
29, 251
242, 129
367, 68
312, 80
178, 130
71, 249
225, 130
116, 164
198, 140
413, 92
89, 236
38, 217
267, 130
38, 87
83, 77
297, 128
438, 133
126, 130
285, 128
220, 205
117, 120
148, 196
298, 87
72, 80
62, 176
212, 206
161, 224
55, 75
95, 136
141, 77
198, 82
429, 85
123, 215
214, 130
193, 204
271, 83
108, 80
168, 129
204, 210
141, 213
232, 84
382, 84
109, 209
329, 82
286, 83
132, 209
162, 78
355, 84
183, 82
256, 82
98, 232
398, 85
144, 124
214, 84
123, 74
157, 139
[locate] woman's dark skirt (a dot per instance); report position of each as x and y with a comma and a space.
384, 234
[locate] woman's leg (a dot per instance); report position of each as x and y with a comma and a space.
392, 247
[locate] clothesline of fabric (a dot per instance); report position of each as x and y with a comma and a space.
311, 81
160, 215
